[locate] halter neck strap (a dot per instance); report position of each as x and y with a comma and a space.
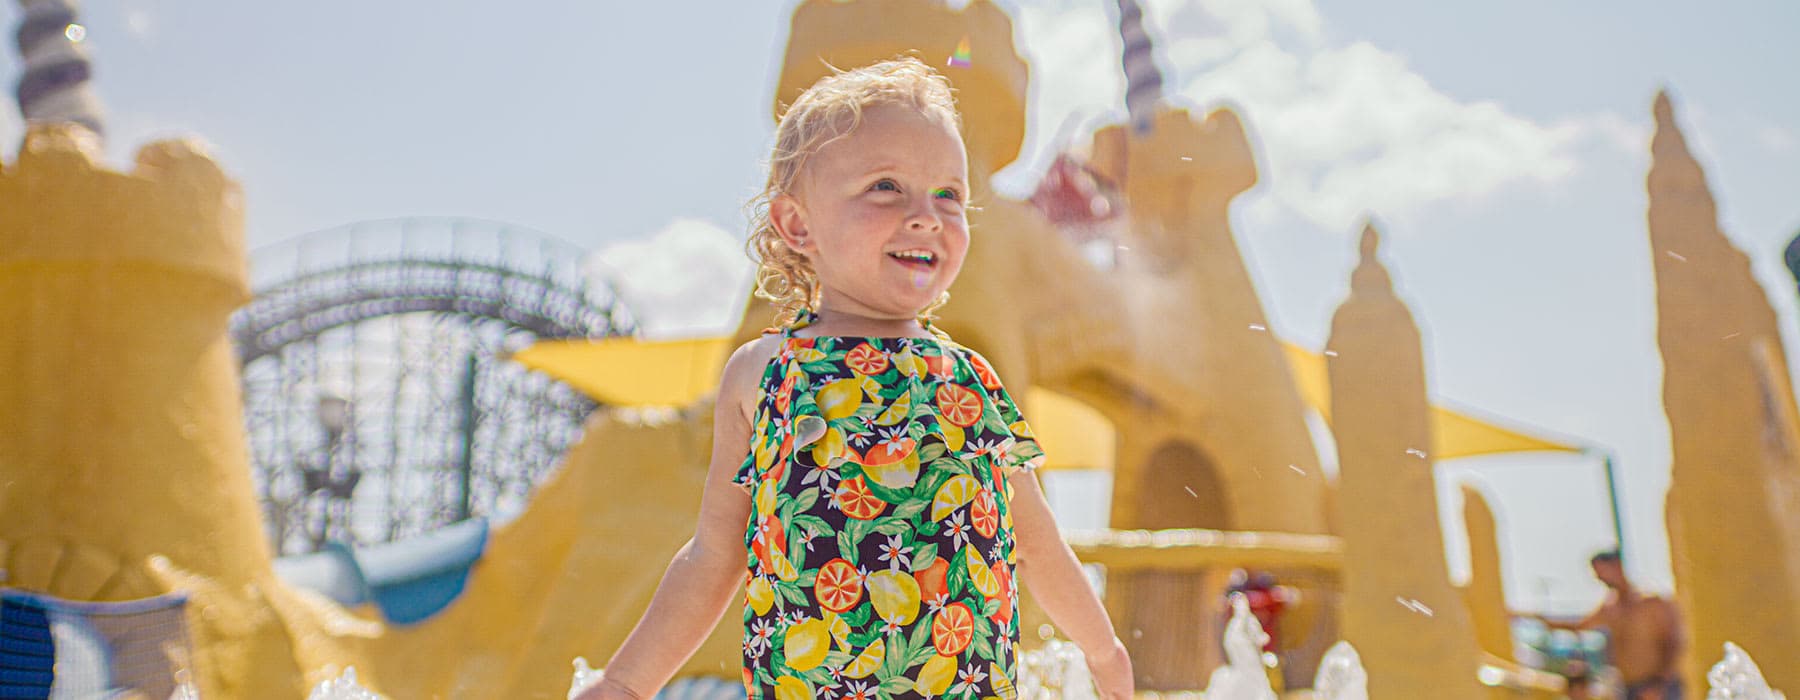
806, 317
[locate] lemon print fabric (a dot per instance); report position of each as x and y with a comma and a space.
880, 546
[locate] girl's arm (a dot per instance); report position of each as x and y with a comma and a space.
697, 588
1049, 569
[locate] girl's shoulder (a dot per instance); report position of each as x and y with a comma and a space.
742, 376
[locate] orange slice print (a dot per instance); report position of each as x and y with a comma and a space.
960, 405
865, 360
855, 499
839, 586
952, 629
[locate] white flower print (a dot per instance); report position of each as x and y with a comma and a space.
957, 530
892, 439
981, 446
968, 681
937, 603
896, 555
823, 474
760, 632
857, 690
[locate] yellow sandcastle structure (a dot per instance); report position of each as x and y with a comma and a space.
1734, 497
125, 474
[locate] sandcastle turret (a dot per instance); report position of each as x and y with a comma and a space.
1734, 493
1400, 611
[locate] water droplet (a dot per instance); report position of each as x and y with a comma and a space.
75, 33
1729, 337
1297, 470
1189, 159
1257, 327
1331, 353
1416, 452
1190, 492
1675, 255
1415, 606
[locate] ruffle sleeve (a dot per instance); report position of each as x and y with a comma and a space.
1018, 448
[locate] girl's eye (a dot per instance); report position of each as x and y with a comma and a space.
947, 193
886, 186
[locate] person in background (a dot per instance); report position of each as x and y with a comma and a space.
1644, 633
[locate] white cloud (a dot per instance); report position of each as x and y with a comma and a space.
1342, 129
689, 278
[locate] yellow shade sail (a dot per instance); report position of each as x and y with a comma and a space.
1453, 433
634, 372
630, 371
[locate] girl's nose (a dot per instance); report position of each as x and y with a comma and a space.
924, 217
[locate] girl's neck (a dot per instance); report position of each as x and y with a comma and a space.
829, 321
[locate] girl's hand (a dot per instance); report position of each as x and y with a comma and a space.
1111, 668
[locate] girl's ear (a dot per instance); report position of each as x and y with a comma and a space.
789, 220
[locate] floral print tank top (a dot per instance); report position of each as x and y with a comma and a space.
880, 547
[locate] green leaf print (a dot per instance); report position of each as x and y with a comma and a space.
949, 466
911, 509
793, 593
895, 526
821, 674
894, 666
820, 368
802, 503
931, 451
897, 685
983, 647
858, 530
957, 579
859, 617
984, 632
918, 648
991, 420
890, 495
796, 553
992, 606
813, 524
847, 548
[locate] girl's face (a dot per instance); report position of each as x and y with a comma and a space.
879, 213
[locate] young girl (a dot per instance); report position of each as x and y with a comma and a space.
872, 474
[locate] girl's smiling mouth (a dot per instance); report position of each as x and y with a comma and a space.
917, 259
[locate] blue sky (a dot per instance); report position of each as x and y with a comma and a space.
1501, 146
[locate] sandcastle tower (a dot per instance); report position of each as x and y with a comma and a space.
1734, 497
124, 462
1407, 622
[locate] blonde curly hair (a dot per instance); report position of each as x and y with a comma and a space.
829, 110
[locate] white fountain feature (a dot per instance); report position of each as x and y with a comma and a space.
584, 675
1243, 677
343, 687
1736, 677
1341, 675
1058, 671
698, 688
